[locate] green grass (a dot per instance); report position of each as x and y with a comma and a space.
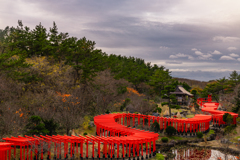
159, 156
210, 133
175, 138
190, 116
235, 139
176, 110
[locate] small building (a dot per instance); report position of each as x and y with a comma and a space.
182, 95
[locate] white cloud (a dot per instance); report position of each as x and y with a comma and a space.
205, 56
227, 58
163, 47
181, 55
173, 56
238, 59
194, 49
225, 39
232, 48
198, 53
191, 57
234, 55
216, 52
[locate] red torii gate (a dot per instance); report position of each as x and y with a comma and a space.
5, 151
23, 142
111, 131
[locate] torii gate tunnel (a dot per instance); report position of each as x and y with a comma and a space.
114, 137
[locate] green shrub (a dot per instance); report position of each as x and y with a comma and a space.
228, 129
211, 132
35, 126
164, 139
199, 134
228, 118
170, 130
85, 133
51, 126
164, 103
107, 111
155, 127
159, 156
158, 109
178, 107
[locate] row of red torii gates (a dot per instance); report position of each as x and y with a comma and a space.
115, 136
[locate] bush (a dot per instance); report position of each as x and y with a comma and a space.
178, 107
228, 118
211, 132
35, 126
164, 103
170, 130
85, 133
107, 111
51, 126
228, 129
199, 134
164, 139
158, 109
155, 127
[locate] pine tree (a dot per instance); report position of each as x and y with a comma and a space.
237, 102
166, 94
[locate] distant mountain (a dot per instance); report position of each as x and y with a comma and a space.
191, 82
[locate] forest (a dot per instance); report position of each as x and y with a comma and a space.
50, 82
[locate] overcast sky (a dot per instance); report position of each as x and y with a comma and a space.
194, 39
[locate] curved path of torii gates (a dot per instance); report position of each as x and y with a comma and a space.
116, 139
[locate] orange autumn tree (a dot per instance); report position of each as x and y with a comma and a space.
64, 96
69, 111
133, 91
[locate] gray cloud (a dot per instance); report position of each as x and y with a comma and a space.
157, 32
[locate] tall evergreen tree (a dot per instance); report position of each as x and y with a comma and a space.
160, 79
237, 102
234, 78
171, 98
85, 59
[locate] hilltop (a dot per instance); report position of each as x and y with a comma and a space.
191, 82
